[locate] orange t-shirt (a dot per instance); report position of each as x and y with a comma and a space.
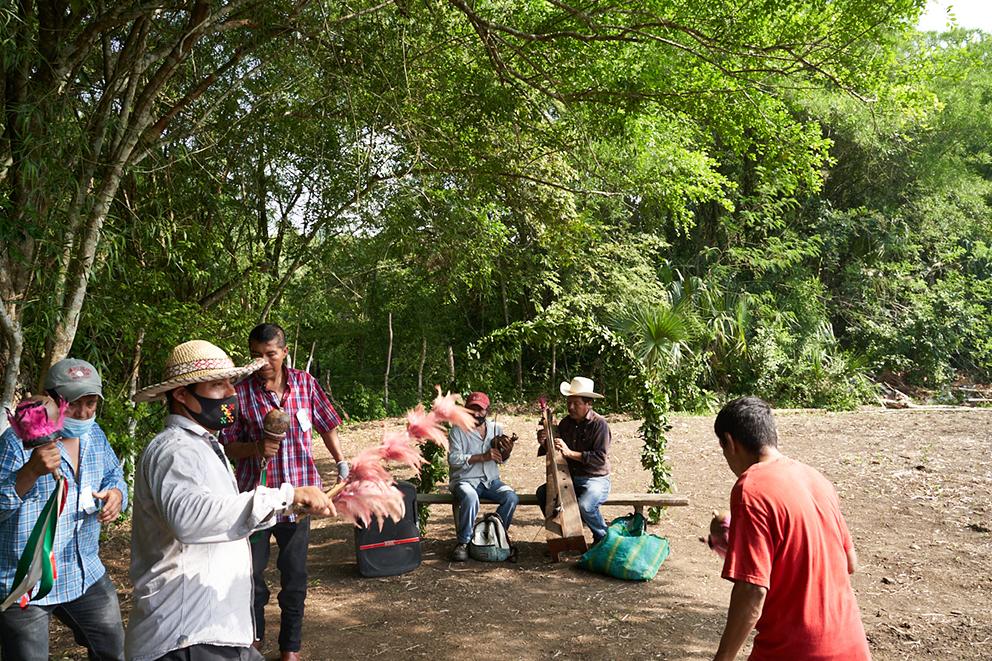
787, 535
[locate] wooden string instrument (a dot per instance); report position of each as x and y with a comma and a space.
562, 519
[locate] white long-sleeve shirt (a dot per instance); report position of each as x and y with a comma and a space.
190, 556
462, 445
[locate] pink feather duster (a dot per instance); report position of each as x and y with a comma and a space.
37, 420
368, 491
398, 446
446, 408
425, 426
361, 501
367, 467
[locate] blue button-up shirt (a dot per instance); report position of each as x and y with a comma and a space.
77, 536
462, 445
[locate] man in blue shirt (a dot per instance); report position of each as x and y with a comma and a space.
83, 597
474, 466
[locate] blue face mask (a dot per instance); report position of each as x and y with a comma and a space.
72, 428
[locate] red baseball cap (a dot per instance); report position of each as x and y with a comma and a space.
479, 399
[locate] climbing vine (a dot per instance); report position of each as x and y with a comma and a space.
594, 349
434, 471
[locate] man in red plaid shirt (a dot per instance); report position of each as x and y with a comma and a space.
285, 459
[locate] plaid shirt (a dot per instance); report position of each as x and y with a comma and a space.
78, 534
309, 410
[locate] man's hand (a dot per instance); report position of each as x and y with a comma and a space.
311, 500
493, 455
269, 445
112, 499
566, 452
45, 459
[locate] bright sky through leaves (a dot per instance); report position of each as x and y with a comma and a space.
967, 13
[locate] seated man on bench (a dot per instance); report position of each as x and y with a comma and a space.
585, 443
474, 466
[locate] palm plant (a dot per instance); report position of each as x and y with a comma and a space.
658, 335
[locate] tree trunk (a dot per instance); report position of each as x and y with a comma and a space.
451, 367
389, 360
420, 369
554, 361
131, 458
313, 347
14, 337
79, 275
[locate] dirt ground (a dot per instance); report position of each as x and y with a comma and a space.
915, 486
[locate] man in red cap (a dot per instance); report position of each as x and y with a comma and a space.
474, 466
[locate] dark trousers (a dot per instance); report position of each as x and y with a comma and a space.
293, 539
94, 618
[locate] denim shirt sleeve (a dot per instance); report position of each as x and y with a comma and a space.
458, 454
11, 460
113, 474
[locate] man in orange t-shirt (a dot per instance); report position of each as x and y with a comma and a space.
789, 552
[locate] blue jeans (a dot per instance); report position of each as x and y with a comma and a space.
468, 496
293, 539
95, 620
591, 492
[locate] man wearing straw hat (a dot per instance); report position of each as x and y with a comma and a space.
190, 557
82, 596
584, 440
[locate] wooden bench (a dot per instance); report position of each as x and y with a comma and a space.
637, 500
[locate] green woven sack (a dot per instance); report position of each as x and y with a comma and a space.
627, 551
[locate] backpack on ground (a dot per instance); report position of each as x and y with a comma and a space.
490, 542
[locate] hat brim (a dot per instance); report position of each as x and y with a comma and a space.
566, 389
74, 395
157, 391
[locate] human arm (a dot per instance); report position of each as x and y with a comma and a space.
333, 444
459, 455
238, 441
194, 501
746, 603
597, 445
43, 460
12, 467
852, 560
326, 421
542, 438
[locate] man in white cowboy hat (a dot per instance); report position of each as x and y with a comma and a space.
83, 596
190, 557
584, 440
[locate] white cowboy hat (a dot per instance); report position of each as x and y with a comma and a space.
580, 386
195, 361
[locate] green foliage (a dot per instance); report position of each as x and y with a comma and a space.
363, 403
778, 198
433, 472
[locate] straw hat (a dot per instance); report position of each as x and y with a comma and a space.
195, 361
580, 386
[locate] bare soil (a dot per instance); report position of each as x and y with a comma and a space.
915, 486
